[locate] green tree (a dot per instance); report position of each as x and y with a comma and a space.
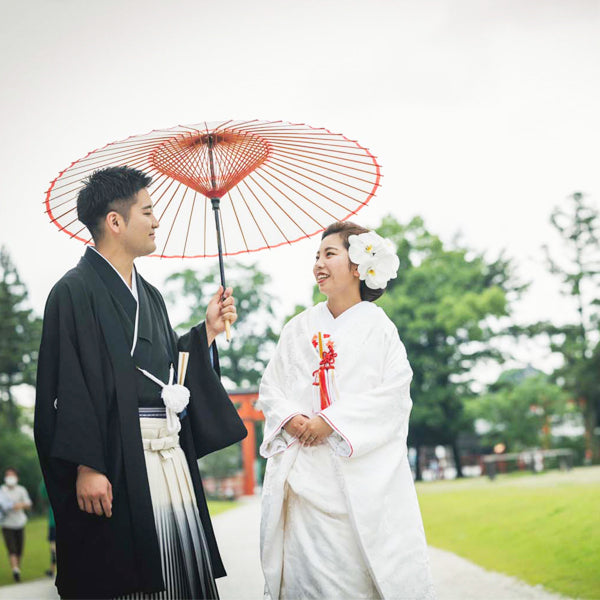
253, 337
20, 332
520, 409
223, 463
578, 269
446, 302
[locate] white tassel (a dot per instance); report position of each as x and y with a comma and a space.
175, 397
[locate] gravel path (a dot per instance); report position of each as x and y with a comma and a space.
455, 578
459, 579
237, 533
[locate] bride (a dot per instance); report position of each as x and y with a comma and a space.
340, 517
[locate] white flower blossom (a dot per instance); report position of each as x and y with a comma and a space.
375, 257
364, 246
377, 273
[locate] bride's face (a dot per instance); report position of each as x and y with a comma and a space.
334, 273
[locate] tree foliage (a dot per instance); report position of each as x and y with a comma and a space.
520, 409
20, 332
253, 336
446, 302
578, 269
223, 463
246, 356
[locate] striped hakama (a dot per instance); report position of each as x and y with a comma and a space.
187, 572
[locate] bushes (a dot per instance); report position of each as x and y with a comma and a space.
577, 444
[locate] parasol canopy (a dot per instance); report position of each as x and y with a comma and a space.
268, 183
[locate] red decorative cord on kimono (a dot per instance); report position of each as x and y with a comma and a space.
326, 364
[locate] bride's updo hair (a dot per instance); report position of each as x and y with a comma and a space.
345, 229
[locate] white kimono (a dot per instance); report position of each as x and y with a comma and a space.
341, 520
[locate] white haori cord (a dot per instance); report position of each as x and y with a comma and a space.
174, 395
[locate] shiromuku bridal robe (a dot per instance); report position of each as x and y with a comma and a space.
89, 392
341, 519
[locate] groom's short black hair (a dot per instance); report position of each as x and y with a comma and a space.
113, 188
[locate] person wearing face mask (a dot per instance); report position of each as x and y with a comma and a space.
340, 517
13, 524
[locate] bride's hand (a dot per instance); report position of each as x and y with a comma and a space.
295, 426
315, 431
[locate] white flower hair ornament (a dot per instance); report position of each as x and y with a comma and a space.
375, 257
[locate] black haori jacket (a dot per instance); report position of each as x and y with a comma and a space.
87, 413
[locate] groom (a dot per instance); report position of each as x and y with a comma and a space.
103, 321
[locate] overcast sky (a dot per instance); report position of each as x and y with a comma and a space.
483, 114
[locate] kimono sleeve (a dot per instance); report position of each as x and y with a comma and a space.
274, 403
370, 419
67, 423
213, 417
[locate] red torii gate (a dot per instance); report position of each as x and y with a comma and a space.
244, 402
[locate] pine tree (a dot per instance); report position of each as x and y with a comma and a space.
20, 332
578, 269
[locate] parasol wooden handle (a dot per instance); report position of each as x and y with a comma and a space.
228, 330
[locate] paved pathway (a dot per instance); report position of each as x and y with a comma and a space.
237, 533
459, 579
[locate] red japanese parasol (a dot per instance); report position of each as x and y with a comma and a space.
268, 183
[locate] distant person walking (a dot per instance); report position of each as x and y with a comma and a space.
13, 524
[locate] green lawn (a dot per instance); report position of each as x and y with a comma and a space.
36, 558
543, 529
